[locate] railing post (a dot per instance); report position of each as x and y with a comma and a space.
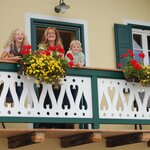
95, 103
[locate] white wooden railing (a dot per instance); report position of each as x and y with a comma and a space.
88, 96
64, 104
123, 100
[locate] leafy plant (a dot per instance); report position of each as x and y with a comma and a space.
134, 69
45, 65
145, 78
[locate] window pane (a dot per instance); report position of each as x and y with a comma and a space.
137, 41
137, 52
149, 56
148, 42
66, 36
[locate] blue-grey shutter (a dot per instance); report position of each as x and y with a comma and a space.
123, 41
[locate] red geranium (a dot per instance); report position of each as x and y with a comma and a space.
70, 56
45, 52
119, 65
124, 55
60, 50
48, 65
29, 47
131, 54
26, 49
52, 48
135, 64
142, 55
132, 68
57, 48
70, 64
129, 51
24, 52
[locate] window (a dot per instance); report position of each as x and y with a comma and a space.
66, 36
141, 43
69, 28
68, 31
134, 37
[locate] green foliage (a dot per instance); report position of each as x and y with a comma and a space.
45, 66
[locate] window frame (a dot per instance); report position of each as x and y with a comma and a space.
79, 26
139, 28
121, 45
144, 34
37, 23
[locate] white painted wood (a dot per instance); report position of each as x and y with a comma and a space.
30, 105
116, 99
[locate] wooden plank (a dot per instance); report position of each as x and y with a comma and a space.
80, 139
145, 137
25, 139
127, 139
62, 133
58, 133
148, 143
49, 133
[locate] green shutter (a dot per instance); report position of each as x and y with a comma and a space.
123, 41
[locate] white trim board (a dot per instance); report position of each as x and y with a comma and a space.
138, 22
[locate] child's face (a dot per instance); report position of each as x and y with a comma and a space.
75, 48
19, 36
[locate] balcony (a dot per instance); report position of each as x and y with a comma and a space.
88, 96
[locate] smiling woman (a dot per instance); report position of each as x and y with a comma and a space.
14, 44
66, 36
51, 37
11, 53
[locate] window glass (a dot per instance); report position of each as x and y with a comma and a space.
148, 57
137, 41
66, 36
68, 32
137, 52
137, 46
148, 42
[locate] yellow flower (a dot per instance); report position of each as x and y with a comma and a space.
49, 69
30, 71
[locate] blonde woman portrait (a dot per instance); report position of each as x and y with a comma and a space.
14, 44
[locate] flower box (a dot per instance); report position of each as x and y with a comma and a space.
47, 66
135, 71
132, 79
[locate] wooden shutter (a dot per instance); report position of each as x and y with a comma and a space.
123, 41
